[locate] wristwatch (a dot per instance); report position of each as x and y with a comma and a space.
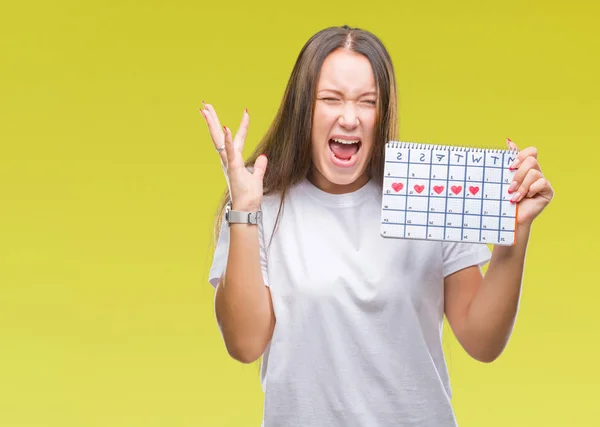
241, 217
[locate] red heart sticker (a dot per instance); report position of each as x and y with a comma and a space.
397, 186
474, 190
456, 189
419, 188
438, 188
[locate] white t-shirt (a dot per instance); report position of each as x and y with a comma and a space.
359, 317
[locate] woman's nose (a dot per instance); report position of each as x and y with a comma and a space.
349, 118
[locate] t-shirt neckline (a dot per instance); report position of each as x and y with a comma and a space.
353, 198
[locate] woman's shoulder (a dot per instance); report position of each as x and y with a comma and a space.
271, 202
274, 198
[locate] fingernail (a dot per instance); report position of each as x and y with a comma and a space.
225, 129
515, 198
508, 140
513, 187
246, 110
515, 164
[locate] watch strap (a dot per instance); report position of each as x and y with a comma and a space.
242, 217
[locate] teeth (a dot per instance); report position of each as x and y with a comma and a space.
344, 141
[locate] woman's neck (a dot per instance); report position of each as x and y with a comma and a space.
318, 180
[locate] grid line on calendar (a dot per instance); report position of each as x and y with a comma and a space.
500, 213
434, 226
424, 212
429, 191
446, 198
464, 192
437, 197
473, 166
407, 175
481, 209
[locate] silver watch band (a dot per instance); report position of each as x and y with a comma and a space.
241, 217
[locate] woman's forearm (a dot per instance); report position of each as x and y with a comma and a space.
494, 308
242, 303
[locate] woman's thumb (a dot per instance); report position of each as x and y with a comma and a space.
260, 166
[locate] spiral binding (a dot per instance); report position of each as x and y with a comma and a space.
426, 146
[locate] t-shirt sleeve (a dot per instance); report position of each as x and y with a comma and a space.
458, 255
222, 251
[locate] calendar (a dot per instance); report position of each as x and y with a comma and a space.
441, 192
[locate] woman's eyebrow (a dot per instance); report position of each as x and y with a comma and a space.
337, 92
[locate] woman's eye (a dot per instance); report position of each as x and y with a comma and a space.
330, 99
370, 102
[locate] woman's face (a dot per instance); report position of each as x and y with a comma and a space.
343, 122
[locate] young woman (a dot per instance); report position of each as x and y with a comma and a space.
349, 323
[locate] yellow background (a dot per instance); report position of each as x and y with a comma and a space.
108, 184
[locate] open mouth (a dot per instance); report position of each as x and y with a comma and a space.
344, 150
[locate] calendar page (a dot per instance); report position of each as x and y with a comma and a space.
458, 194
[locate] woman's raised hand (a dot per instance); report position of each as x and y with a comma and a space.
245, 187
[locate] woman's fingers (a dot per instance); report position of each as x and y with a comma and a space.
542, 188
229, 151
528, 164
235, 160
260, 166
523, 155
523, 190
214, 126
213, 114
230, 148
216, 132
240, 136
511, 145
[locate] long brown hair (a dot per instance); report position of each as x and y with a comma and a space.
287, 143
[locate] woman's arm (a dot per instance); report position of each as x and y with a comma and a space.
482, 310
243, 304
